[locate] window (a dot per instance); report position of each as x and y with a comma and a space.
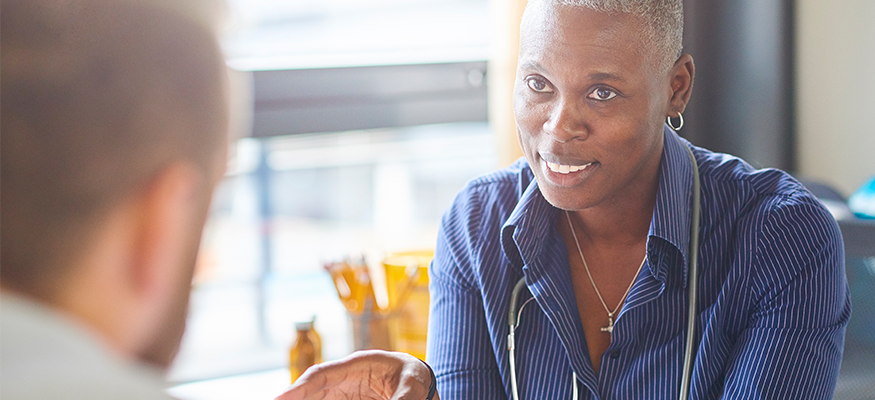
368, 117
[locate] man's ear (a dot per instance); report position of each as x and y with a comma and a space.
168, 209
682, 75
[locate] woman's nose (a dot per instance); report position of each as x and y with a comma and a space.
565, 122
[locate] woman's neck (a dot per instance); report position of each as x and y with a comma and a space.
618, 223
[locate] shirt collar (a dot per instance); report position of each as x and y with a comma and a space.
671, 214
523, 234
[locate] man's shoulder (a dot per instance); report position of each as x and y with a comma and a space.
51, 382
46, 355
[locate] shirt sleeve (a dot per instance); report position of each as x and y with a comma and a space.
459, 346
792, 347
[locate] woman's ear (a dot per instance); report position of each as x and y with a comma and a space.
682, 75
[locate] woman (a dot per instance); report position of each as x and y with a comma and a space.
596, 221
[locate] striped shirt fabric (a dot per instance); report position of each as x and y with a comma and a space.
772, 309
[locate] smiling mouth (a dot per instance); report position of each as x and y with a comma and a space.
566, 169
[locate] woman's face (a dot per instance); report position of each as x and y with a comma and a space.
589, 106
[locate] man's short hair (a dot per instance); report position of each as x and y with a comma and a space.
664, 19
97, 97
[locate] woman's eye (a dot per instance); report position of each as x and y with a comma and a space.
537, 85
602, 94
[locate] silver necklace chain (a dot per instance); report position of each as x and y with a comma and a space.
610, 326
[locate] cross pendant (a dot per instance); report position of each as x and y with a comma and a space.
610, 327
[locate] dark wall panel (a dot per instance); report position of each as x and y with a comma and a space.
743, 95
336, 99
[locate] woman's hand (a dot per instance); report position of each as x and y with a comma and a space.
365, 375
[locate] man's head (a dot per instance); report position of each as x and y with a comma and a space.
595, 82
114, 127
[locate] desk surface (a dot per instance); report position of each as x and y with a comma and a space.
264, 385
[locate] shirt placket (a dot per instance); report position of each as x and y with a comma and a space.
616, 357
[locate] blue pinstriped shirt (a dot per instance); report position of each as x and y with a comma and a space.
772, 309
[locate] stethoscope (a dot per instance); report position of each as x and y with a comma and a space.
513, 315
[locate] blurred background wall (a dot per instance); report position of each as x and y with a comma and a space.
835, 104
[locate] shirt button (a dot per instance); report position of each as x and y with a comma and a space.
614, 354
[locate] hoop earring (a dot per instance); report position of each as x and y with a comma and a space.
681, 117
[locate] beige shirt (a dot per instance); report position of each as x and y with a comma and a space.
47, 355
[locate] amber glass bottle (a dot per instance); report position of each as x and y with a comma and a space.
305, 351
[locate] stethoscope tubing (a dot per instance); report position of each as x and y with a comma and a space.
692, 281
